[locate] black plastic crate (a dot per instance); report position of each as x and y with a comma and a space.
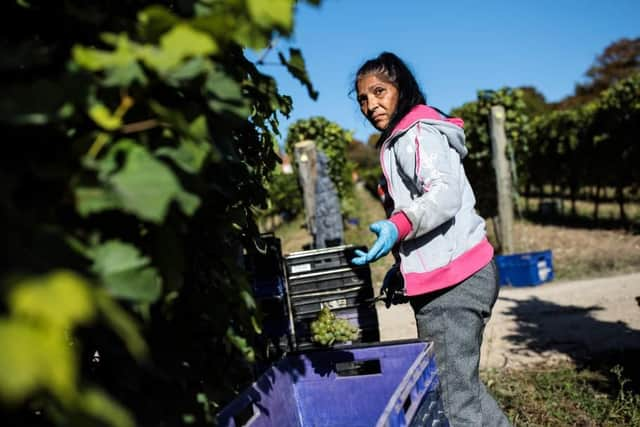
332, 279
321, 259
273, 307
312, 303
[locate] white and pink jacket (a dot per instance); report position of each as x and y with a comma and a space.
442, 238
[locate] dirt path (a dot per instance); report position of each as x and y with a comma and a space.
546, 324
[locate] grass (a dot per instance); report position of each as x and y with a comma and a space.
565, 396
603, 392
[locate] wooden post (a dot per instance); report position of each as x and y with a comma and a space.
306, 158
503, 178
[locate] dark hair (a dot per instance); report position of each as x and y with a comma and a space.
391, 68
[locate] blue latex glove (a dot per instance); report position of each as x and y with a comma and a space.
387, 233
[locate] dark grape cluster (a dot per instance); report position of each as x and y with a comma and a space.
328, 329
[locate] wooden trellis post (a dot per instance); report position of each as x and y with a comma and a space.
503, 178
306, 159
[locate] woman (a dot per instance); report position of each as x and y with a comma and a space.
439, 241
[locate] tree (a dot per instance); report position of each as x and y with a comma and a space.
535, 101
619, 60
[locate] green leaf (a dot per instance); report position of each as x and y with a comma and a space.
189, 156
272, 13
181, 42
226, 95
188, 70
125, 75
35, 358
296, 66
115, 256
188, 202
141, 286
145, 186
18, 341
97, 59
125, 273
61, 299
90, 200
241, 344
154, 21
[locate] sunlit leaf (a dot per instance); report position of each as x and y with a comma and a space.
241, 344
36, 358
96, 59
270, 13
60, 299
19, 343
181, 42
100, 114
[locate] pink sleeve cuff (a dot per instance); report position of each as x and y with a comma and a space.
402, 223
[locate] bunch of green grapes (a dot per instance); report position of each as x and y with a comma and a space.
328, 329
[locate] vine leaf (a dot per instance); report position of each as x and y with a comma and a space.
272, 13
181, 42
226, 95
144, 186
296, 66
125, 273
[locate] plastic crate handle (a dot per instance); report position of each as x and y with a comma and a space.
243, 414
406, 403
358, 368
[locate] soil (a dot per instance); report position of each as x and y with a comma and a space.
549, 323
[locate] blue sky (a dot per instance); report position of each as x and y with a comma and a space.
454, 48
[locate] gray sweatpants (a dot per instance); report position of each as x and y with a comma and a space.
454, 319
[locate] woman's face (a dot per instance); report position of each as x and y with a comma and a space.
378, 100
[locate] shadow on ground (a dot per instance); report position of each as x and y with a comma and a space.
571, 330
570, 220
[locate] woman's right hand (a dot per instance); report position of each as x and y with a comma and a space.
387, 233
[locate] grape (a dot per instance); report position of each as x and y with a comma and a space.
328, 329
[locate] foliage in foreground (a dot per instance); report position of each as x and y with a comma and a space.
141, 135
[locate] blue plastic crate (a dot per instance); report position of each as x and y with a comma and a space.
271, 287
383, 385
525, 269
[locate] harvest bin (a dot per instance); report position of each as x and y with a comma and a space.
525, 269
388, 384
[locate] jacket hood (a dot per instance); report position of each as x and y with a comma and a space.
452, 127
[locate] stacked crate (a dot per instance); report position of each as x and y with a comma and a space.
266, 270
326, 277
